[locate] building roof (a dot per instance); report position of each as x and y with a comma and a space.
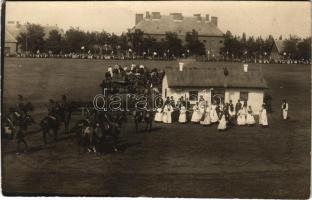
181, 27
215, 77
8, 37
14, 30
279, 45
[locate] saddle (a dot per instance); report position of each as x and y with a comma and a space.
52, 117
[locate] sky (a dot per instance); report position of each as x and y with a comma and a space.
253, 18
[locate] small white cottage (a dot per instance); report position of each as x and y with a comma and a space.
222, 84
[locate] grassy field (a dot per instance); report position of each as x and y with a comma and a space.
170, 161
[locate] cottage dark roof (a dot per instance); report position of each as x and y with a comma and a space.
279, 45
214, 77
8, 37
181, 27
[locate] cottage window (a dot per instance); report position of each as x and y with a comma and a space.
243, 96
193, 95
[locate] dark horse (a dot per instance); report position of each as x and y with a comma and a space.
97, 131
48, 124
145, 116
16, 126
62, 114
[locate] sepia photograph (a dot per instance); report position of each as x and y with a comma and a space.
166, 99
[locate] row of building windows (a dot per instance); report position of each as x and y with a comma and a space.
193, 95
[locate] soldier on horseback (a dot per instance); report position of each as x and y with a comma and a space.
53, 109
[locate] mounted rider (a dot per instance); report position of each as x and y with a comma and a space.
53, 109
19, 108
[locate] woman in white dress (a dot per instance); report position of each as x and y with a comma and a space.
158, 115
222, 123
196, 116
207, 120
250, 118
168, 110
164, 114
241, 117
182, 116
263, 119
213, 114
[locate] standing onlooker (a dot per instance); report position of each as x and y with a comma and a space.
182, 116
285, 109
238, 106
263, 118
267, 101
250, 118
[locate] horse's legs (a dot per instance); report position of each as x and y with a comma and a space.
136, 126
147, 124
44, 135
55, 134
150, 125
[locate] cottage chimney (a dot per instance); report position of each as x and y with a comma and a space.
147, 16
214, 20
177, 16
156, 15
181, 65
138, 18
198, 17
207, 18
245, 67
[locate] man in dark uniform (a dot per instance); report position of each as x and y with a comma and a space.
20, 134
52, 109
167, 101
238, 106
20, 106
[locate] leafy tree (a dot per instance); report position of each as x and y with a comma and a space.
54, 42
74, 40
290, 46
173, 44
32, 40
136, 40
304, 48
193, 44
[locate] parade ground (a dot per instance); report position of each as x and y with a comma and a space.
173, 160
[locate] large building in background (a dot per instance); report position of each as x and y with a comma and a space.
14, 28
157, 25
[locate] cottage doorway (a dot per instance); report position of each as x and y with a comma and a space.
217, 96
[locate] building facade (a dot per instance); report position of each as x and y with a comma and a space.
14, 28
217, 84
157, 25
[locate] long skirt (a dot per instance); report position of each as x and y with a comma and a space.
158, 117
214, 116
285, 112
196, 117
168, 118
241, 120
182, 118
250, 119
164, 117
207, 120
222, 124
263, 120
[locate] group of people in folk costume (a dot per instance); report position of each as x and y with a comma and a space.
224, 113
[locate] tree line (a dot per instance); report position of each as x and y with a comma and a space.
259, 48
133, 42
